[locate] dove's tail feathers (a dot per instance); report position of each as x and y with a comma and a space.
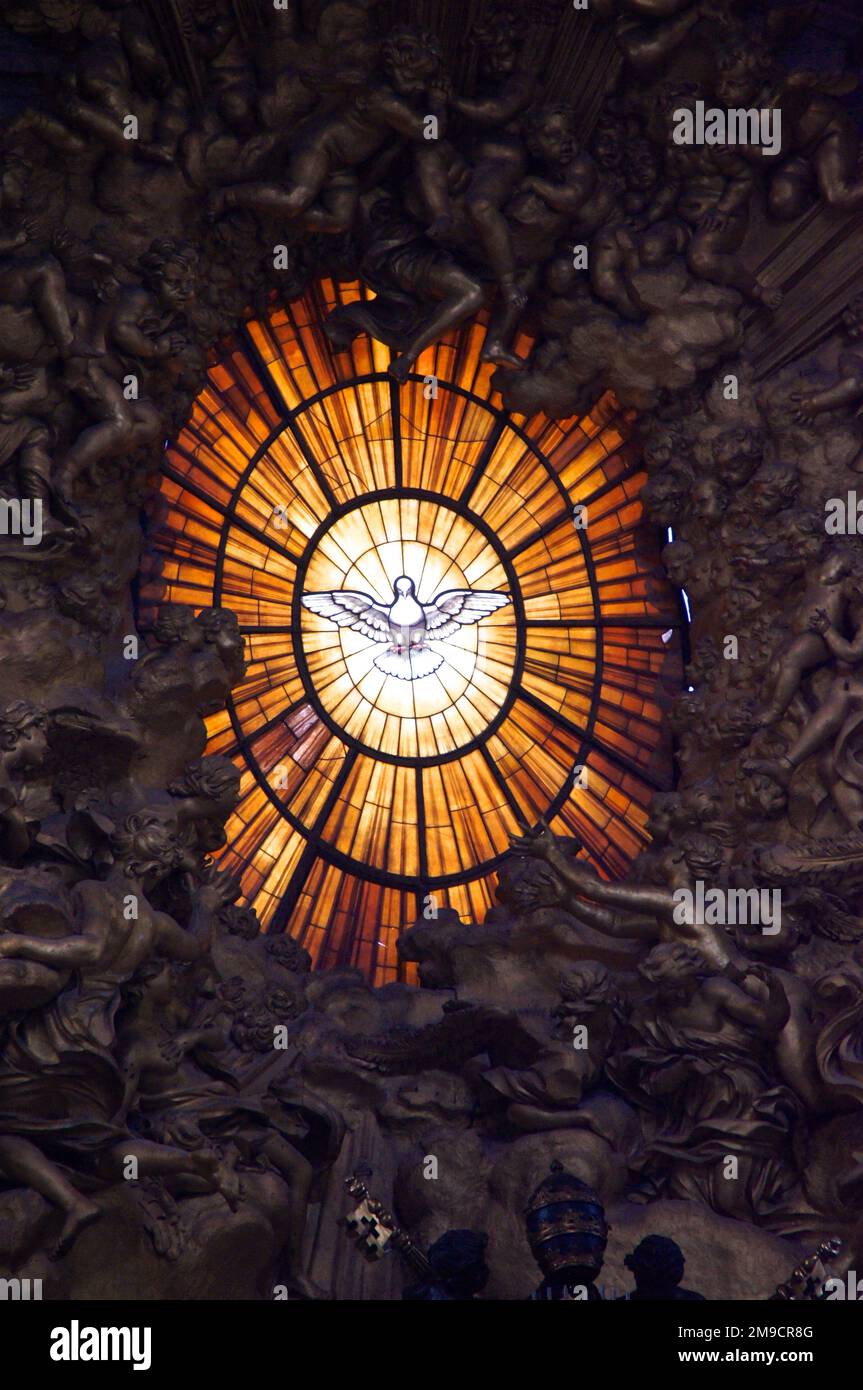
409, 665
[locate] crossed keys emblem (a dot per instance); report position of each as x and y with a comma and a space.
370, 1225
375, 1231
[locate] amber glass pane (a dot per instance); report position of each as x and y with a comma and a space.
369, 798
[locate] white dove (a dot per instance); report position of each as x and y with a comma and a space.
407, 624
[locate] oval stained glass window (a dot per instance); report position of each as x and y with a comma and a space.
456, 624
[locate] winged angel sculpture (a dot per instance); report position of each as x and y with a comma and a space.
405, 628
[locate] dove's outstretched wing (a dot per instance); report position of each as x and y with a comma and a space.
349, 608
453, 609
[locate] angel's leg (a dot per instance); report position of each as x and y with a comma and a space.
21, 1161
461, 295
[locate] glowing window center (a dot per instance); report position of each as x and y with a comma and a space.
410, 643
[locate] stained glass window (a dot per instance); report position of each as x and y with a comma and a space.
376, 784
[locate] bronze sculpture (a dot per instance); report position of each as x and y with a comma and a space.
139, 1002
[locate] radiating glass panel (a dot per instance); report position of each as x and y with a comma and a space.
386, 763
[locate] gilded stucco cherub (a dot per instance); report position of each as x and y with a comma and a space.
28, 280
701, 1064
847, 389
141, 328
716, 186
76, 1107
421, 290
24, 753
822, 607
820, 140
495, 154
321, 187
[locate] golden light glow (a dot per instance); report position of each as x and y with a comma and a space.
365, 796
366, 550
